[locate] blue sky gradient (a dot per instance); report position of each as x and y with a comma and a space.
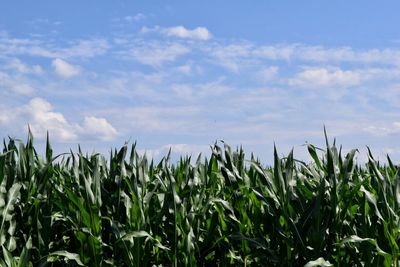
183, 74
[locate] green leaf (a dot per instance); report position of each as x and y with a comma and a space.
65, 255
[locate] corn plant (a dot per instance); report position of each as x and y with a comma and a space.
76, 209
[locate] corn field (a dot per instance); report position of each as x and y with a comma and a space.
223, 210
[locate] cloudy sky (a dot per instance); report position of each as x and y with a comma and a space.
184, 74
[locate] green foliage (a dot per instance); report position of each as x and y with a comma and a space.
84, 210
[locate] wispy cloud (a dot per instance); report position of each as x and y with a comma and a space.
134, 18
19, 66
322, 77
323, 54
347, 54
128, 20
192, 92
384, 129
49, 49
233, 56
15, 84
155, 53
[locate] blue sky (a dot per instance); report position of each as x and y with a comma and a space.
181, 74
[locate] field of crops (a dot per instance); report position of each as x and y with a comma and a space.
225, 210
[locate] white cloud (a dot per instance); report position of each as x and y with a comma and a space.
64, 69
199, 33
156, 54
320, 77
41, 118
323, 77
99, 127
